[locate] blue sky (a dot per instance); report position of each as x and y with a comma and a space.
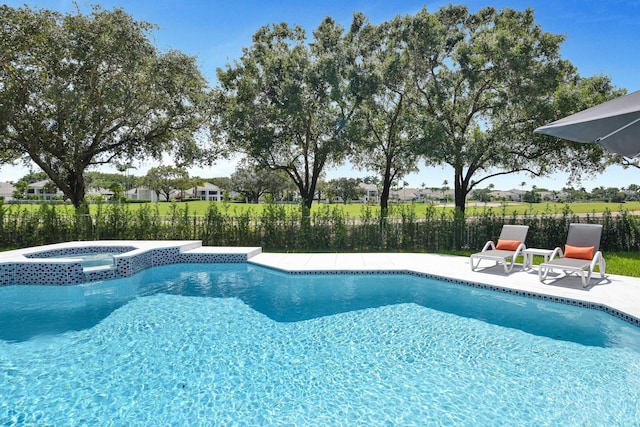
601, 38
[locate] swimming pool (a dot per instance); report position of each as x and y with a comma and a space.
206, 344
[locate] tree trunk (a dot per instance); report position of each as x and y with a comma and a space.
307, 202
384, 199
461, 199
76, 189
460, 224
461, 190
386, 189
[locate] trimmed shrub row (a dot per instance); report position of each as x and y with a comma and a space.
328, 229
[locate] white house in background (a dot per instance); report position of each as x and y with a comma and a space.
103, 192
370, 193
514, 195
207, 191
433, 194
406, 194
142, 193
37, 189
6, 191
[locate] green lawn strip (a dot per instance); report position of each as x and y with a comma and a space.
356, 209
623, 263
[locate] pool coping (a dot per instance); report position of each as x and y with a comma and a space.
616, 295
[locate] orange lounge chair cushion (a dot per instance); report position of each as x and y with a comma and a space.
578, 252
508, 245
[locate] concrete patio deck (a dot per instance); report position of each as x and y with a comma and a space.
620, 293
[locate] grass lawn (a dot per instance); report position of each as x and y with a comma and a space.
623, 263
355, 210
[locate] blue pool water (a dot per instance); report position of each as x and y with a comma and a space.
242, 345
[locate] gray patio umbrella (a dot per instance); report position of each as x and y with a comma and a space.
613, 124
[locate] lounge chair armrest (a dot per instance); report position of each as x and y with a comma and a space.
557, 253
488, 245
598, 260
520, 249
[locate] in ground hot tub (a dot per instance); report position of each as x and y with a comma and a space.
72, 263
92, 259
91, 256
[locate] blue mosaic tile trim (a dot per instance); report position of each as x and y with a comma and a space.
204, 258
338, 272
165, 256
97, 275
123, 267
7, 274
48, 273
141, 262
76, 274
65, 273
52, 253
560, 300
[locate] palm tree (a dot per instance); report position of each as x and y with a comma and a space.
445, 187
405, 184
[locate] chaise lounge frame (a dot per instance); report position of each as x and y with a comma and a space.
580, 235
500, 256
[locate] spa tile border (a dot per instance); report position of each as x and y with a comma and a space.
41, 266
7, 274
52, 253
200, 258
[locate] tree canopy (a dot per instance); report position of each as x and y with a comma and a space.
489, 79
386, 127
166, 180
285, 105
346, 189
253, 182
80, 90
451, 88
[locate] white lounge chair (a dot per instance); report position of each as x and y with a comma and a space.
581, 255
510, 245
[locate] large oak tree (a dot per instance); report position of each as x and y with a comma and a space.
489, 79
285, 104
253, 182
166, 180
80, 90
387, 126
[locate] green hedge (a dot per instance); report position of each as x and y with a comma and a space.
328, 229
